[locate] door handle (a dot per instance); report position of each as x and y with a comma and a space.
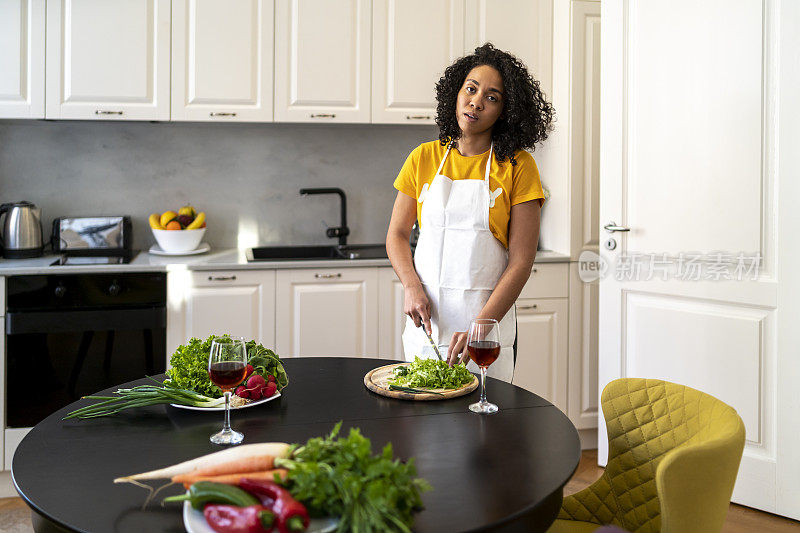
612, 226
328, 276
221, 278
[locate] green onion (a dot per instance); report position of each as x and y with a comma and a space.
142, 396
413, 390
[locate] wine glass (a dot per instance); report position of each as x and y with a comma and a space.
483, 347
227, 367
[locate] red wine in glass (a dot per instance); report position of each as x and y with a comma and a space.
227, 366
483, 347
226, 375
484, 353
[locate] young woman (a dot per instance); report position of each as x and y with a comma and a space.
477, 196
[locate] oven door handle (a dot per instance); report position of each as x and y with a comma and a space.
85, 320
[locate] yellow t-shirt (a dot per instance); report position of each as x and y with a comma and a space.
517, 183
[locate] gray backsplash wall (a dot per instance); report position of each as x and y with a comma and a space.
244, 176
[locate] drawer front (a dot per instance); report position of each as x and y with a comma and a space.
547, 280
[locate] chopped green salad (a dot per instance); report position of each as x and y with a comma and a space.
431, 374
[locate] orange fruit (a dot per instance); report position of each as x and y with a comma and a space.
174, 224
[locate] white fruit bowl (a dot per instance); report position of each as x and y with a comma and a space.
176, 241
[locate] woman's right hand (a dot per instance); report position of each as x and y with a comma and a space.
418, 307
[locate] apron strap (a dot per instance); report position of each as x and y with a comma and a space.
485, 174
441, 165
488, 168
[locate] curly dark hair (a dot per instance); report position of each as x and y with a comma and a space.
526, 118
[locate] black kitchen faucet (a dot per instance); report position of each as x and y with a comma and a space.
342, 231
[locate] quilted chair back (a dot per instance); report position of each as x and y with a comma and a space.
674, 454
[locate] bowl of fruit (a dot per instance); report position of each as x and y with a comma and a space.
178, 232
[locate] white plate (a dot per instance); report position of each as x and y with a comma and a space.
203, 248
222, 407
195, 522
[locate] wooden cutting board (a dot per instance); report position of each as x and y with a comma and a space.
377, 379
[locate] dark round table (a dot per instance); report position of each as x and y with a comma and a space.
500, 472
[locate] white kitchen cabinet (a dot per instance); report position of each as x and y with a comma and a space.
239, 302
222, 60
521, 27
22, 28
413, 41
542, 333
391, 318
108, 60
327, 312
542, 336
322, 61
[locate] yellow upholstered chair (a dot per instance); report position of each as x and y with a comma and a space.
673, 457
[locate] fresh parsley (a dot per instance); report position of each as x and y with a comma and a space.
341, 477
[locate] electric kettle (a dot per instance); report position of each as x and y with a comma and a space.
22, 230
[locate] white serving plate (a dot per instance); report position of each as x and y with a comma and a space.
195, 522
203, 248
222, 407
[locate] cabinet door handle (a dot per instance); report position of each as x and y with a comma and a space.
104, 112
221, 278
328, 276
323, 115
531, 306
221, 114
418, 117
534, 271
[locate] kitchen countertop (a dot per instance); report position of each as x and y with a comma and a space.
223, 259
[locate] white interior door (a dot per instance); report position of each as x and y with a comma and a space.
688, 163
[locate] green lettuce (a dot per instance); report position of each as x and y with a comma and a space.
190, 366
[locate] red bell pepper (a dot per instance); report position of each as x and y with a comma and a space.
232, 519
290, 515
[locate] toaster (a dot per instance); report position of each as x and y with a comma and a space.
93, 236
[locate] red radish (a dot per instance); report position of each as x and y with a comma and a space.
250, 370
256, 380
270, 389
255, 393
242, 392
271, 378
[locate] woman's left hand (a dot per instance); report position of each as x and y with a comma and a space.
458, 344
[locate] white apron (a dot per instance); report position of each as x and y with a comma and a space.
459, 262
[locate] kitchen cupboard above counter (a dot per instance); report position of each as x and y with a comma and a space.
357, 61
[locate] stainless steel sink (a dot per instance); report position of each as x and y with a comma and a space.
311, 253
363, 251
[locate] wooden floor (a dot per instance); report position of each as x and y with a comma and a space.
740, 519
16, 518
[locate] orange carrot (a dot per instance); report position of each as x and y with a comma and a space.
233, 479
247, 464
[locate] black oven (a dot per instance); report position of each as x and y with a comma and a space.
70, 335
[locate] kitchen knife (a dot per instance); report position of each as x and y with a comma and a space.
433, 344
